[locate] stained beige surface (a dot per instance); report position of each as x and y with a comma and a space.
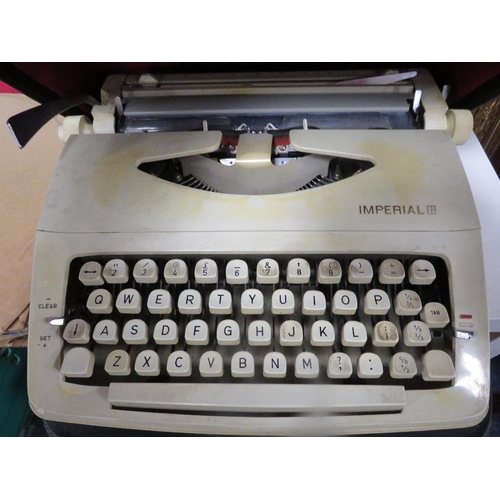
24, 179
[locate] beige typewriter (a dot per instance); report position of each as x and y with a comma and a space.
247, 255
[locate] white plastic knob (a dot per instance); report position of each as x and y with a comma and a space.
74, 125
460, 124
104, 119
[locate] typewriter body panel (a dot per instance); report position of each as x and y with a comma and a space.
409, 202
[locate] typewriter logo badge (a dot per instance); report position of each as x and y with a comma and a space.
397, 209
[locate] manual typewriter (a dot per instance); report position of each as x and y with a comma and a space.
261, 254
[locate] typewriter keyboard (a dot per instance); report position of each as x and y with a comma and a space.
259, 319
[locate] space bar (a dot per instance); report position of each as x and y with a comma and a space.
259, 398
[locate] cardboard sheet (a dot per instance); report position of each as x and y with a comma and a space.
24, 178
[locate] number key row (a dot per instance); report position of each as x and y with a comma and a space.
298, 271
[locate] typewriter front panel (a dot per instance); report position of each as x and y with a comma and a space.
411, 186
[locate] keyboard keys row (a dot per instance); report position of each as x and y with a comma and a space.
258, 333
437, 365
314, 303
298, 271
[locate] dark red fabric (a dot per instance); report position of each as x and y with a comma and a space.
464, 77
67, 79
5, 89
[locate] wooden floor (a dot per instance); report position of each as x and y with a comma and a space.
487, 129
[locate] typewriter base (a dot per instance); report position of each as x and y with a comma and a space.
63, 429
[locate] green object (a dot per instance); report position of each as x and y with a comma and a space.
14, 405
